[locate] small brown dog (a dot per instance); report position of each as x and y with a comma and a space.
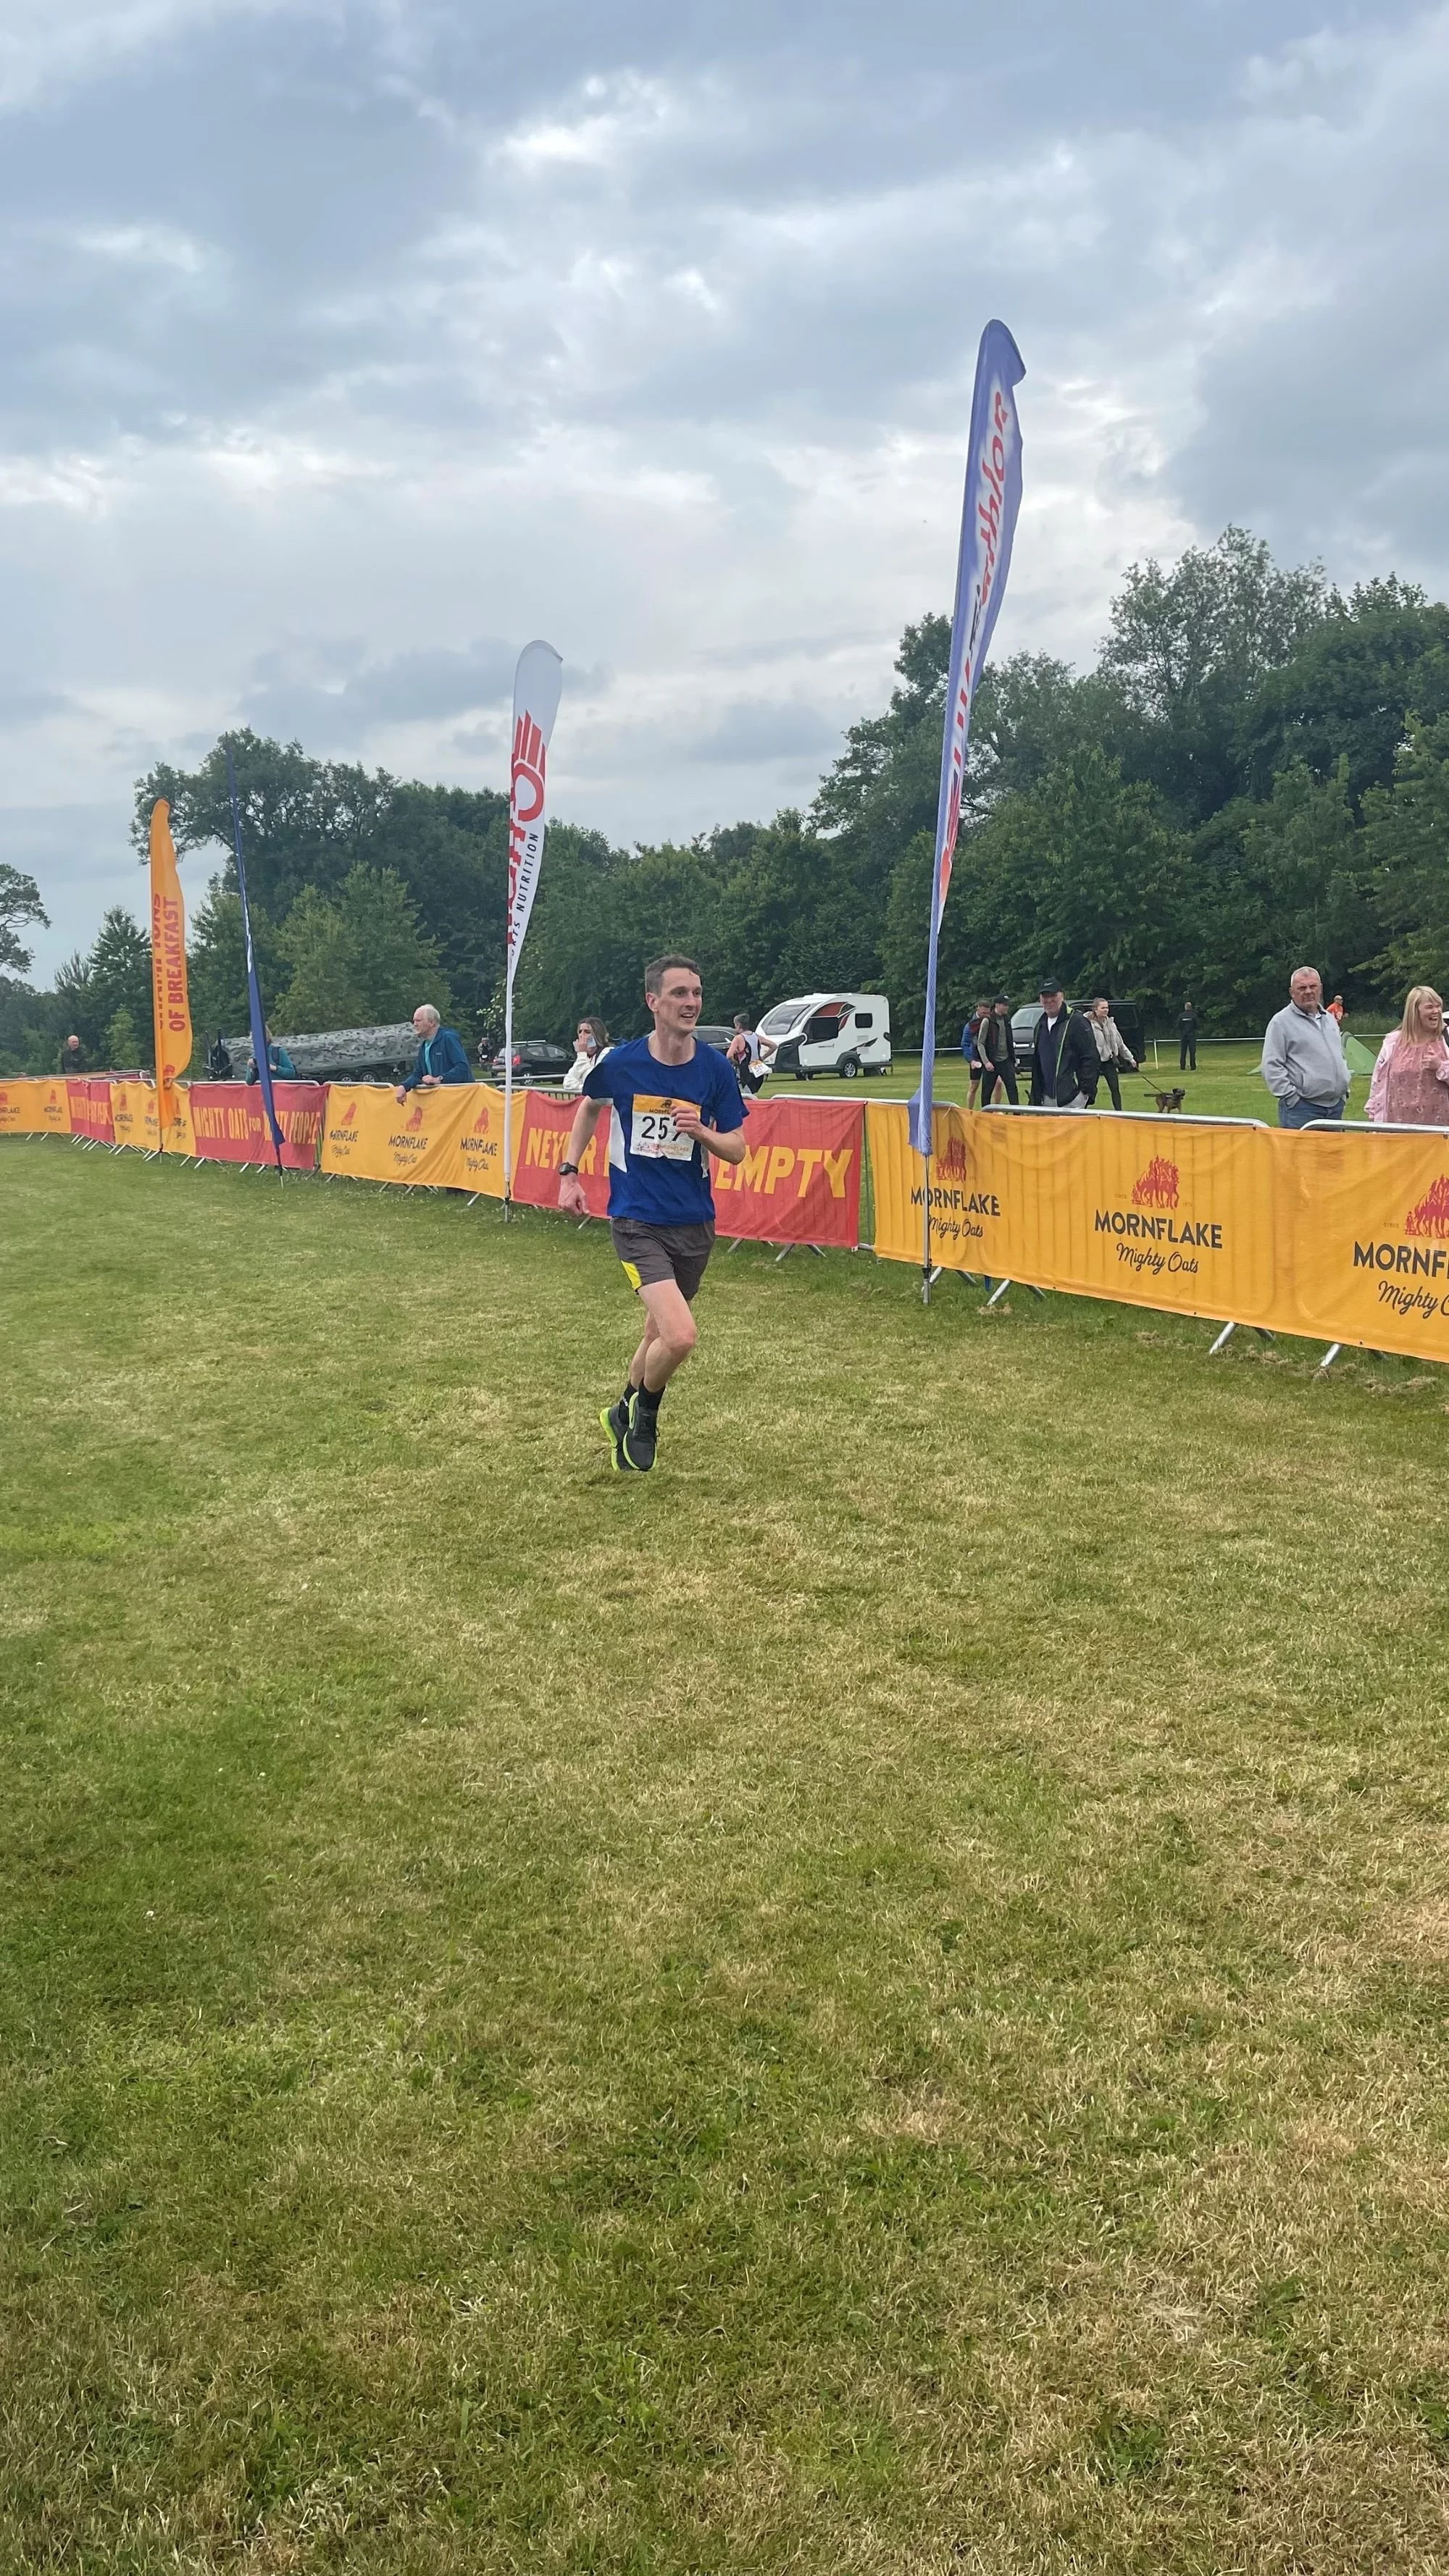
1167, 1101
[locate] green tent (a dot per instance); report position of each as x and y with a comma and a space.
1358, 1056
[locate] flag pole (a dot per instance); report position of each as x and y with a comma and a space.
537, 683
255, 1013
989, 509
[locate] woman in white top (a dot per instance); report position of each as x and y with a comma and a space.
1410, 1087
591, 1045
1112, 1048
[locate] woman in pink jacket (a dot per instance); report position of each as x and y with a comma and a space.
1410, 1087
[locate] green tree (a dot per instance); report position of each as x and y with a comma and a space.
357, 957
1350, 686
122, 1044
1188, 647
114, 977
1406, 832
19, 903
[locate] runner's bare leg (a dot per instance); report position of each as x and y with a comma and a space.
670, 1334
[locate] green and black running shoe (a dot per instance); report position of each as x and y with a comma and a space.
615, 1421
638, 1444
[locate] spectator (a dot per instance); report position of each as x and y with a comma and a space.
279, 1063
1336, 1008
750, 1055
1410, 1087
970, 1051
440, 1057
591, 1045
1303, 1059
1187, 1038
1112, 1049
998, 1055
73, 1057
219, 1065
1064, 1058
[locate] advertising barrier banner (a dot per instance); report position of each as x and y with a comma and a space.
1368, 1214
1149, 1213
90, 1109
133, 1115
20, 1108
800, 1179
34, 1108
448, 1139
229, 1124
545, 1130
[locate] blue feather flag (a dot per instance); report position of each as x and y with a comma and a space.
988, 524
255, 1013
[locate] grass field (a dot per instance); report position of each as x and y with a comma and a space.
874, 2002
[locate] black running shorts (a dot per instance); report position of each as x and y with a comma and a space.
651, 1253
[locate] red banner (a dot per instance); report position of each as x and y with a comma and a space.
230, 1126
90, 1110
800, 1179
546, 1124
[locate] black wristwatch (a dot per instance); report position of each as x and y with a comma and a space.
566, 1167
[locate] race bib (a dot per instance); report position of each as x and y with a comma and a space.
654, 1136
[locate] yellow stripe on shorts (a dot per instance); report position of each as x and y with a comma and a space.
631, 1273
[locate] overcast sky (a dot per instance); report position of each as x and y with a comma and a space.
345, 347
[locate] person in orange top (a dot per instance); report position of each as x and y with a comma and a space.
1335, 1008
1410, 1087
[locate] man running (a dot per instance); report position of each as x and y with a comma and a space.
674, 1104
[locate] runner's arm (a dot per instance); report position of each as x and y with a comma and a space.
570, 1187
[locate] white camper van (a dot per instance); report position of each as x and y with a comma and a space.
840, 1033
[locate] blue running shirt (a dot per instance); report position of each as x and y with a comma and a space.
656, 1176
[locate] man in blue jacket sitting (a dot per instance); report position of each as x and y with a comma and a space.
440, 1056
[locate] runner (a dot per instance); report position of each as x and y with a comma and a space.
674, 1103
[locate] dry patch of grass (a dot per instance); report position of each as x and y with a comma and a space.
876, 2001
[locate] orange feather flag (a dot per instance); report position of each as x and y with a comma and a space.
170, 1004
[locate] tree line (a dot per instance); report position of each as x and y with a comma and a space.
1254, 775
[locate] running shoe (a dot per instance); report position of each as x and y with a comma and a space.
637, 1446
615, 1421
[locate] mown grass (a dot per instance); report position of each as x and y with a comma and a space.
1225, 1084
875, 2001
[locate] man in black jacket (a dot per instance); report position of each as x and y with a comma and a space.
1064, 1062
998, 1055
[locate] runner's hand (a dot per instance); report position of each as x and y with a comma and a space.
571, 1197
687, 1118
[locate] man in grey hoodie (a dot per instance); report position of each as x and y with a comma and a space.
1303, 1058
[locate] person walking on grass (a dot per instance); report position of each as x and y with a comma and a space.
1064, 1061
970, 1051
1303, 1060
998, 1055
1112, 1049
675, 1104
1187, 1039
1410, 1086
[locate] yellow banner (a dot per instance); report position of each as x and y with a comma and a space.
448, 1139
135, 1122
1369, 1214
30, 1108
170, 1007
1150, 1212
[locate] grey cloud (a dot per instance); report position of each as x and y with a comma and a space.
22, 703
407, 688
766, 730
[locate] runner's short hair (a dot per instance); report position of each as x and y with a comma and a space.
658, 968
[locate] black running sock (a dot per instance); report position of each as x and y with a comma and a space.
649, 1402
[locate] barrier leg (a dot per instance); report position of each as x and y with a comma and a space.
1223, 1339
998, 1293
785, 1255
1329, 1356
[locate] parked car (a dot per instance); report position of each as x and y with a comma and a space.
1023, 1028
709, 1034
534, 1060
841, 1033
